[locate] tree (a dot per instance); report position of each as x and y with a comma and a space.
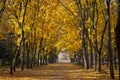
3, 2
117, 33
82, 13
109, 47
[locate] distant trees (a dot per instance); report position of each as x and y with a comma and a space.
4, 52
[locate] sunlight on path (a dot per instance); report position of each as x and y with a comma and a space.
54, 72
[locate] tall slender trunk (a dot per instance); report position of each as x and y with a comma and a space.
83, 33
96, 56
86, 46
109, 47
23, 37
11, 59
117, 33
95, 60
16, 59
99, 62
40, 48
34, 47
38, 60
31, 49
95, 50
23, 51
27, 56
115, 57
32, 54
91, 56
101, 46
85, 54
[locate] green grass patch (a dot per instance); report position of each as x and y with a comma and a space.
3, 67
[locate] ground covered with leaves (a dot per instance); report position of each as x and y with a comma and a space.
57, 72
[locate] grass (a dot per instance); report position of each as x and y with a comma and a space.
4, 67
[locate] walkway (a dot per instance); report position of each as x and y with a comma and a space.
54, 72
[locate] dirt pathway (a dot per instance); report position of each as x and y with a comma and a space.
55, 72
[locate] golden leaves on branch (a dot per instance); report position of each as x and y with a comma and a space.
56, 23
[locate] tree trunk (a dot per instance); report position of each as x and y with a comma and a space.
16, 59
115, 62
35, 46
23, 38
85, 54
27, 56
109, 47
91, 56
95, 53
95, 60
84, 31
82, 61
96, 46
40, 48
107, 64
23, 51
99, 62
117, 33
34, 59
11, 59
38, 60
31, 49
41, 59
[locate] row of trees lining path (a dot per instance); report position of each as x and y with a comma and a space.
56, 72
31, 30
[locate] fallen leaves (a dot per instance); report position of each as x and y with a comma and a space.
56, 72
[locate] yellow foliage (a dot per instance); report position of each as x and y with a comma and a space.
57, 23
1, 36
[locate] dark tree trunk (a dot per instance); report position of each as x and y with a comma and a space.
84, 32
115, 57
38, 60
23, 51
107, 60
85, 54
11, 59
117, 33
86, 47
16, 60
31, 50
79, 59
34, 59
82, 61
99, 62
95, 52
46, 62
27, 56
40, 48
100, 49
35, 46
96, 46
41, 60
109, 47
95, 60
23, 37
91, 56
